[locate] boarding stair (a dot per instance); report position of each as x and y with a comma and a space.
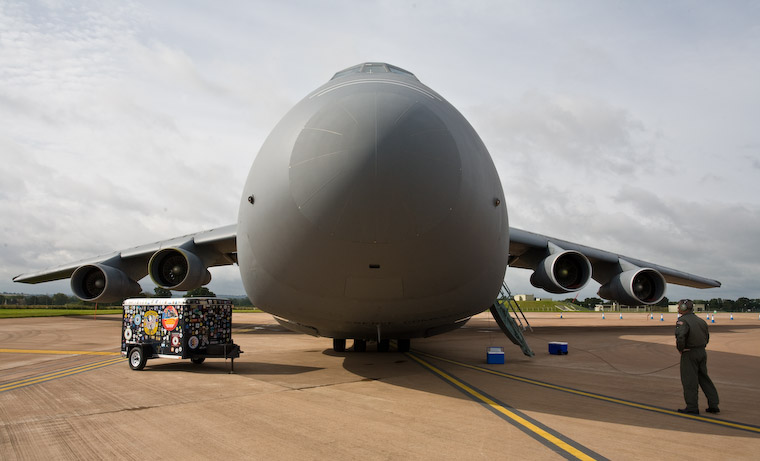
510, 317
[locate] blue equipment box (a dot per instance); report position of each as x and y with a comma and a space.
557, 348
495, 355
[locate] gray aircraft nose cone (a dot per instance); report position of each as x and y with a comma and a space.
375, 168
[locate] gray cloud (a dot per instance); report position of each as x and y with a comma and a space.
627, 128
541, 130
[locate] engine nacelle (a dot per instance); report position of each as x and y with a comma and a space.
635, 287
178, 269
101, 283
562, 272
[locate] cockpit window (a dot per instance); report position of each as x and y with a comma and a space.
350, 70
398, 70
373, 68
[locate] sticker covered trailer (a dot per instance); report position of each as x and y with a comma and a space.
177, 328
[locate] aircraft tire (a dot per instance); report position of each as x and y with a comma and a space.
137, 358
404, 345
360, 345
339, 344
384, 345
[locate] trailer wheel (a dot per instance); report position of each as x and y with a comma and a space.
197, 360
137, 358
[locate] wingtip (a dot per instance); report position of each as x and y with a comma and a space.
21, 278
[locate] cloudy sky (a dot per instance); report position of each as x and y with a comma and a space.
628, 126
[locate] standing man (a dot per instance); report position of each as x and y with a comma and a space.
691, 338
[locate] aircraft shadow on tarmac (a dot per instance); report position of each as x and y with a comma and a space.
601, 361
261, 329
600, 366
220, 366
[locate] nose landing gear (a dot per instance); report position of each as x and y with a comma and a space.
339, 344
360, 345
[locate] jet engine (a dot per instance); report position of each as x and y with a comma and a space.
635, 287
102, 283
562, 272
178, 269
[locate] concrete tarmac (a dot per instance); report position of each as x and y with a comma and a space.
65, 393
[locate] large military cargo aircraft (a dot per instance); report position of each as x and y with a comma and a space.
373, 211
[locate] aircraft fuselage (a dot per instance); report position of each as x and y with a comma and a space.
373, 210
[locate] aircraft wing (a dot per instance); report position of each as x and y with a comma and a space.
561, 267
179, 263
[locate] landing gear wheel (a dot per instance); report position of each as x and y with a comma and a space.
404, 345
360, 345
384, 345
137, 358
197, 360
339, 344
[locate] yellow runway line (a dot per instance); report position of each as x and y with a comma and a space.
49, 352
628, 403
550, 440
57, 374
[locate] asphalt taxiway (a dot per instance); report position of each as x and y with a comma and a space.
65, 393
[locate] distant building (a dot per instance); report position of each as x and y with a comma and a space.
697, 307
519, 298
616, 307
607, 307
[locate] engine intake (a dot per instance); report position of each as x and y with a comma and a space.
635, 287
101, 283
562, 272
178, 269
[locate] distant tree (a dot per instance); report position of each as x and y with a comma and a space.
59, 299
742, 304
7, 300
38, 300
590, 303
200, 292
161, 292
242, 302
663, 302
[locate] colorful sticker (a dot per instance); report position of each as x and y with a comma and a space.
128, 334
136, 319
151, 322
175, 339
193, 342
170, 318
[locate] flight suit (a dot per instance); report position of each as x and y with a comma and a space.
691, 338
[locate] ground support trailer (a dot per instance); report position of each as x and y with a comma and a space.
177, 328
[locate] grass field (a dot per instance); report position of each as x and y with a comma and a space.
45, 311
12, 313
550, 306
